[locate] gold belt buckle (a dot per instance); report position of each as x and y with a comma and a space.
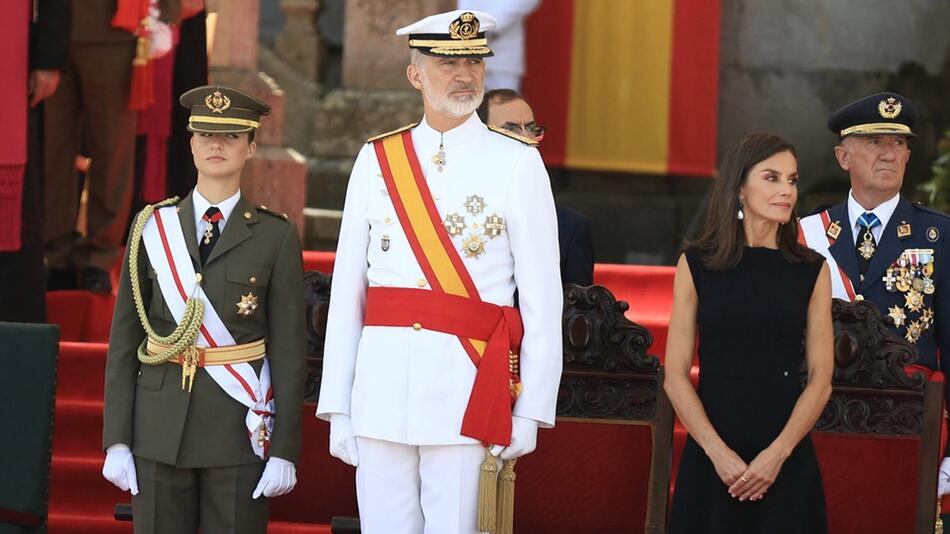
189, 365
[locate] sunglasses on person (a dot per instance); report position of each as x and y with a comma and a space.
532, 129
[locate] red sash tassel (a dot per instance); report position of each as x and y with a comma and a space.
488, 414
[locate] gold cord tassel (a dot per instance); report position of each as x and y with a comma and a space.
506, 498
487, 491
938, 525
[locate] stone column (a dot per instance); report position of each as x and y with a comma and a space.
299, 42
276, 176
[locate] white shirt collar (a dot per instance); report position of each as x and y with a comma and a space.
454, 138
202, 204
883, 211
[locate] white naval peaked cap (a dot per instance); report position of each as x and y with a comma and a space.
459, 33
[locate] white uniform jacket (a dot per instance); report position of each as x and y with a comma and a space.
412, 386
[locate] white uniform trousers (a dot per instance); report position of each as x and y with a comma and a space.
410, 489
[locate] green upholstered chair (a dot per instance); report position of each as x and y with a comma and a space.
27, 393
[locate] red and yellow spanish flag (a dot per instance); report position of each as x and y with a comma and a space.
626, 85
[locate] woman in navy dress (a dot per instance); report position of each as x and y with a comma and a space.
759, 304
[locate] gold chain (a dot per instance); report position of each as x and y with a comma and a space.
186, 333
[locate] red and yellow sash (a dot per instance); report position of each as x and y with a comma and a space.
490, 334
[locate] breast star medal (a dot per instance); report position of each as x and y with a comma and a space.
866, 249
473, 246
494, 226
897, 314
454, 224
248, 304
914, 330
474, 204
913, 300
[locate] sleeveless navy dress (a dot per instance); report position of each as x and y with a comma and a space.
751, 329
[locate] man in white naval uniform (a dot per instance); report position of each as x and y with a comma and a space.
398, 397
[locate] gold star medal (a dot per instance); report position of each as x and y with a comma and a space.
494, 226
927, 318
897, 314
248, 304
454, 224
914, 331
473, 246
913, 301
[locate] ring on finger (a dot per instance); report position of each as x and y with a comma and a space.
743, 478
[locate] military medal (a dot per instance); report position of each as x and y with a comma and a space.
913, 300
927, 317
384, 243
474, 204
494, 226
454, 224
439, 159
834, 230
866, 249
890, 280
903, 231
473, 246
914, 331
247, 305
897, 314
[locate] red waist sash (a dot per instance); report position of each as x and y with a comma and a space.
488, 414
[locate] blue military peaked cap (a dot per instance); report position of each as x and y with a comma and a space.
881, 113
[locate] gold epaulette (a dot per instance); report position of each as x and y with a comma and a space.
409, 126
526, 140
265, 209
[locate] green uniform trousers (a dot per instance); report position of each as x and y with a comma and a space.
178, 500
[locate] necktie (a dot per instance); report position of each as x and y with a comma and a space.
211, 233
865, 244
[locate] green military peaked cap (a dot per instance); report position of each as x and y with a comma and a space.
222, 109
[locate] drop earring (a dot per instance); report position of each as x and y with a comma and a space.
740, 215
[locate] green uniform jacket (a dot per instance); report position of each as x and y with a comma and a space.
145, 406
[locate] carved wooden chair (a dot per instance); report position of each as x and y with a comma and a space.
878, 437
605, 467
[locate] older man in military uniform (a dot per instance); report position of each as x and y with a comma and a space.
884, 248
204, 377
443, 221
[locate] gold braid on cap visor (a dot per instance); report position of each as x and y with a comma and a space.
878, 128
222, 120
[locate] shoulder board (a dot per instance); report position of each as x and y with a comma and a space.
927, 209
520, 138
409, 126
265, 209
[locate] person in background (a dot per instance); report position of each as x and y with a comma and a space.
509, 110
93, 105
759, 304
35, 44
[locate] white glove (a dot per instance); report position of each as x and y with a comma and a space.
524, 439
119, 468
160, 41
943, 477
279, 477
342, 440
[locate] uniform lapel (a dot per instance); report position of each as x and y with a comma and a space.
235, 230
889, 247
186, 216
843, 248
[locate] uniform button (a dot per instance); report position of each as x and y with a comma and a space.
416, 326
421, 282
859, 297
253, 279
247, 215
786, 373
198, 277
387, 220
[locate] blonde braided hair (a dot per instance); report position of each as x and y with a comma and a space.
182, 339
